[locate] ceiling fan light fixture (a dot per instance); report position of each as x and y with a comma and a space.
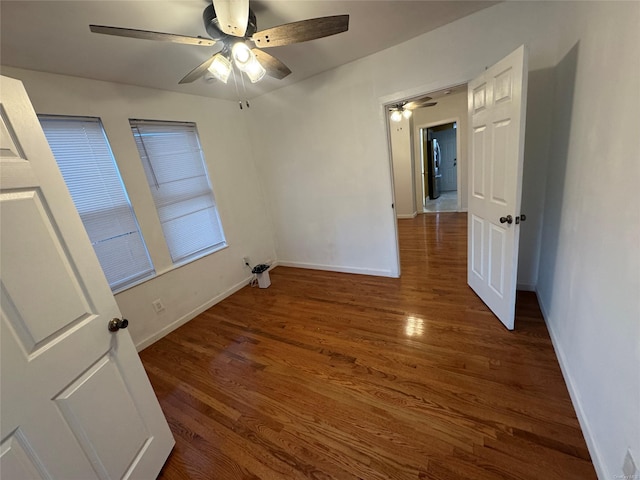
242, 55
406, 113
247, 62
221, 68
254, 70
396, 116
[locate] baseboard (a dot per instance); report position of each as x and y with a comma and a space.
337, 268
412, 215
527, 287
596, 457
192, 314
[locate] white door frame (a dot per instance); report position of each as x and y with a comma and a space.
384, 102
458, 174
387, 131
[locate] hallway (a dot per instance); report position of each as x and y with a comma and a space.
446, 202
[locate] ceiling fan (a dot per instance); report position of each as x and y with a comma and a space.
403, 109
232, 24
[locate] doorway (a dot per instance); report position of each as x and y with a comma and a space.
439, 168
418, 109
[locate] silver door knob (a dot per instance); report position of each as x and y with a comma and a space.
116, 324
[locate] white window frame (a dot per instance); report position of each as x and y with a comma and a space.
110, 203
188, 202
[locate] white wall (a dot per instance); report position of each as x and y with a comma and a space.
400, 133
589, 280
318, 150
536, 151
447, 109
187, 290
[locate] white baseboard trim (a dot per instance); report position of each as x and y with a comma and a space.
405, 215
337, 268
527, 287
192, 314
596, 457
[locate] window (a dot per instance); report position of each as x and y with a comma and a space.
83, 154
174, 164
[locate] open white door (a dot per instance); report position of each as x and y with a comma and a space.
76, 401
497, 107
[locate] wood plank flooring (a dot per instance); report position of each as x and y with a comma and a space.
327, 375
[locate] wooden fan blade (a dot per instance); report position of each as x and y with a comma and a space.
233, 16
148, 35
418, 103
414, 105
197, 72
302, 31
274, 67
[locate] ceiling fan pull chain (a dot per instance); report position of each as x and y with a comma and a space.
244, 89
235, 81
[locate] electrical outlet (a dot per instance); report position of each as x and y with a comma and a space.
158, 306
629, 466
245, 261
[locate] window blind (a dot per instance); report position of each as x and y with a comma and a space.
83, 154
175, 169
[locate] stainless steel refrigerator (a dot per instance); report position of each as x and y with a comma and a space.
434, 176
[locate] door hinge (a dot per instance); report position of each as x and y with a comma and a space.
392, 205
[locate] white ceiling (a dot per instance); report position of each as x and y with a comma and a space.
53, 36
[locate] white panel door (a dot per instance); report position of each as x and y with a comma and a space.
497, 107
76, 401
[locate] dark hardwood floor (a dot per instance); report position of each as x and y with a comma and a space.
327, 375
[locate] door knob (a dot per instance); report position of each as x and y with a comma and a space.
116, 324
508, 219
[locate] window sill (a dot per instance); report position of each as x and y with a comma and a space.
194, 257
182, 263
134, 284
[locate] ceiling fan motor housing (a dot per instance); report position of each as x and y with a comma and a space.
213, 29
